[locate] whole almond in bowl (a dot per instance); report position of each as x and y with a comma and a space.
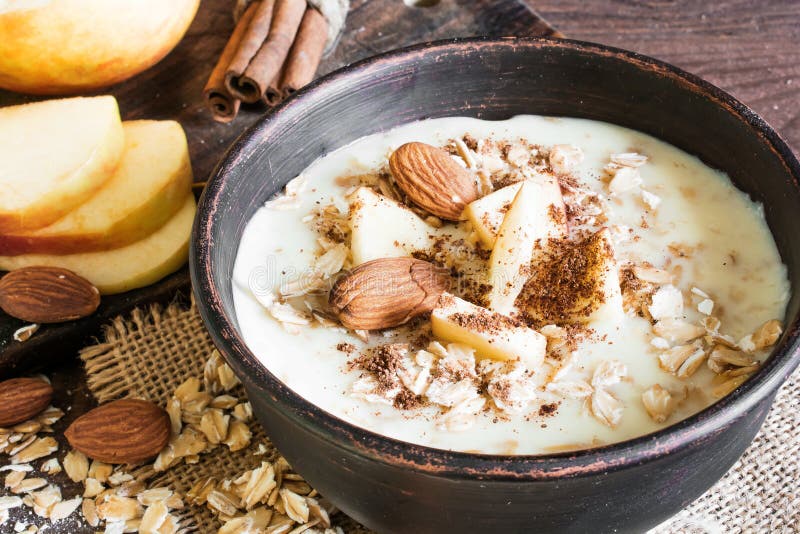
433, 180
23, 398
387, 292
126, 431
47, 295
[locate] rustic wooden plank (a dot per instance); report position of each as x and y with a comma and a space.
747, 48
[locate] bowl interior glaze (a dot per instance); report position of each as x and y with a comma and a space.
495, 79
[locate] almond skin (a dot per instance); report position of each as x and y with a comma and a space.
126, 431
433, 180
23, 398
387, 292
47, 295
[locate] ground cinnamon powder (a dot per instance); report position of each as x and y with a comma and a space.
565, 285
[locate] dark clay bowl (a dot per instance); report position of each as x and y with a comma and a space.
392, 486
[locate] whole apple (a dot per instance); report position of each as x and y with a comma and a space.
71, 46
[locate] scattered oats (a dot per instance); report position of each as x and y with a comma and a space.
465, 153
100, 471
115, 527
24, 333
318, 512
29, 484
607, 408
765, 336
14, 478
223, 502
50, 467
578, 389
628, 159
289, 317
227, 378
89, 511
20, 444
332, 261
659, 343
462, 416
692, 363
114, 508
705, 306
672, 359
260, 483
295, 505
564, 158
729, 386
625, 179
119, 477
651, 200
677, 331
224, 402
9, 502
76, 465
18, 467
243, 412
700, 293
608, 373
238, 436
64, 509
648, 273
722, 357
198, 494
174, 412
214, 424
153, 518
92, 488
666, 303
39, 448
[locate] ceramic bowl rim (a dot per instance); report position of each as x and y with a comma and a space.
461, 464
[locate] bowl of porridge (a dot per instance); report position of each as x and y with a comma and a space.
505, 284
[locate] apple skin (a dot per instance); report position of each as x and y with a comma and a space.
73, 46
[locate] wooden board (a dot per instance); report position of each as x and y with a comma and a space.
172, 90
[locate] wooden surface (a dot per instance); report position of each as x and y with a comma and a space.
173, 88
748, 48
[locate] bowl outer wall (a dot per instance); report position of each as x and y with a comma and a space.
495, 79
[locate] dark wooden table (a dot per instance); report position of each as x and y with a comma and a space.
750, 48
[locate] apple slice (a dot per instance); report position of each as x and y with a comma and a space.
536, 215
136, 265
486, 214
382, 228
55, 155
147, 188
491, 334
606, 273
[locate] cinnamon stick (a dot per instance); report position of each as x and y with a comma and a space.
273, 94
218, 99
267, 62
306, 53
256, 33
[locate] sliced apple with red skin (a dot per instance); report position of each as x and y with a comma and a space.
54, 155
491, 334
537, 215
147, 188
137, 265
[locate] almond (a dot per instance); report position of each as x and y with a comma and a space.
387, 292
23, 398
124, 431
433, 180
47, 295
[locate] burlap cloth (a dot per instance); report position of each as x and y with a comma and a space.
150, 353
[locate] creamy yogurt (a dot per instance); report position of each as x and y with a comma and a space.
684, 218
